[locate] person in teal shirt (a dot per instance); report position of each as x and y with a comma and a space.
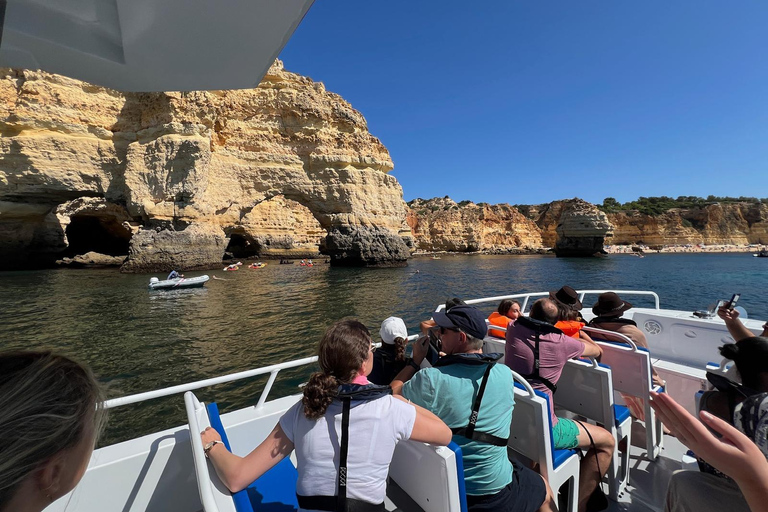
450, 390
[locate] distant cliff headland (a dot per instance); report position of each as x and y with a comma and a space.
150, 182
574, 226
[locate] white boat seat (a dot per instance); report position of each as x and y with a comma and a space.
274, 489
531, 438
586, 388
432, 476
631, 374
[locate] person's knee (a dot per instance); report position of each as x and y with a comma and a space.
603, 439
608, 442
549, 498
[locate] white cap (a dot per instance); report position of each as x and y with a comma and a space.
392, 328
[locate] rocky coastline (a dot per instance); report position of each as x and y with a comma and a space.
151, 182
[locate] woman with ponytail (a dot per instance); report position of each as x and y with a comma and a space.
390, 358
313, 427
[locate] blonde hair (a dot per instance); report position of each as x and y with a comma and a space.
48, 403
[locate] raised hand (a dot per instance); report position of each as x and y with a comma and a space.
734, 454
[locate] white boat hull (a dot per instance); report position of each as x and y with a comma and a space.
181, 282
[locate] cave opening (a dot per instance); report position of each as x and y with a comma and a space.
104, 235
241, 246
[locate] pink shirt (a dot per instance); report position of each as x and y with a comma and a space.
555, 348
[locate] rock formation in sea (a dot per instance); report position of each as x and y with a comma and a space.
179, 180
573, 227
440, 224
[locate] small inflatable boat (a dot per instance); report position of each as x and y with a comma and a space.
179, 282
257, 265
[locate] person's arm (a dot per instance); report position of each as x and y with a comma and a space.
426, 325
237, 473
736, 329
734, 454
591, 349
428, 428
407, 373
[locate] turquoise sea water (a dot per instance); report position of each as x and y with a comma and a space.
137, 340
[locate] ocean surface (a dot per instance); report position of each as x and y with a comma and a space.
137, 340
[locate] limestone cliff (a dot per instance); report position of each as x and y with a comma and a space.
180, 179
442, 225
722, 223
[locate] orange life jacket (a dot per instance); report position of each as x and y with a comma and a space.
570, 327
501, 321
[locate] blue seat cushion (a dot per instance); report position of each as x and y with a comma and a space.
456, 449
560, 456
620, 414
274, 491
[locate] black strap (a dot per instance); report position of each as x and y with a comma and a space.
341, 493
536, 364
469, 431
328, 504
340, 502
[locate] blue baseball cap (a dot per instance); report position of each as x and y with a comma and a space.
467, 318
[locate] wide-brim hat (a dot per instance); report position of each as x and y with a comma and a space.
610, 304
567, 296
467, 318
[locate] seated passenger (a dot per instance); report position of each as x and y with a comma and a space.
174, 275
609, 308
537, 350
450, 390
313, 426
508, 311
568, 298
750, 355
568, 322
426, 325
740, 454
50, 417
390, 358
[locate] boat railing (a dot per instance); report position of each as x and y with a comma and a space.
524, 298
272, 370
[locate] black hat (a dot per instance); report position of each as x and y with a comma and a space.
566, 296
467, 318
610, 304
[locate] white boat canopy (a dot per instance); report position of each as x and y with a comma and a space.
150, 45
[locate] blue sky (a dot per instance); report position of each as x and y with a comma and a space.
528, 101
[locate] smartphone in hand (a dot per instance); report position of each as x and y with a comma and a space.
734, 300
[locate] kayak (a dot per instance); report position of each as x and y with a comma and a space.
230, 269
257, 265
179, 282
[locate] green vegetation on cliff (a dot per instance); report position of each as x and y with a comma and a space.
658, 205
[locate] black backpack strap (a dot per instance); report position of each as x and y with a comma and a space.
340, 502
469, 431
536, 365
341, 493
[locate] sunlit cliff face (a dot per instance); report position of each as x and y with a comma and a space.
278, 168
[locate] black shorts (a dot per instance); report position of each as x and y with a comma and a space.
525, 493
